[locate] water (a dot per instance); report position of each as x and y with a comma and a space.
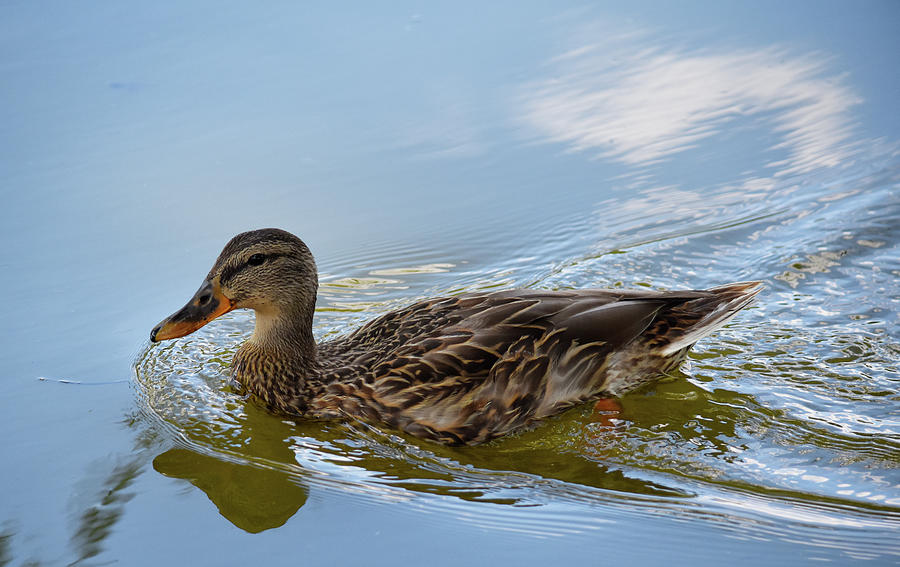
419, 151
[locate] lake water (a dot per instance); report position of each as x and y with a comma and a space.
423, 150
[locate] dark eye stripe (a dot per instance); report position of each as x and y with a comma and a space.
230, 271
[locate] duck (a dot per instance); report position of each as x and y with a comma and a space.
460, 369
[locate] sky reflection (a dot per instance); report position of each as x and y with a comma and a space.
631, 98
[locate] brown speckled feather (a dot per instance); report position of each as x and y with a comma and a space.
475, 367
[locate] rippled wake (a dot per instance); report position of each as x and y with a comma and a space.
783, 426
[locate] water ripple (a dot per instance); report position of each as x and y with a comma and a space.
783, 426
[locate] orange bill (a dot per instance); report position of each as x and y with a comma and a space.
208, 303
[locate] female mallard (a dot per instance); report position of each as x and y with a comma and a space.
459, 370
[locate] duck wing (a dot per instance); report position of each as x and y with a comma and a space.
470, 368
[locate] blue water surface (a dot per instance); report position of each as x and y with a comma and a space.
427, 149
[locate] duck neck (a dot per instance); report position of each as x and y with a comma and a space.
279, 363
287, 336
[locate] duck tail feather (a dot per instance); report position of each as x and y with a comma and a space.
721, 307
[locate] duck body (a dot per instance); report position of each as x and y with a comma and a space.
458, 370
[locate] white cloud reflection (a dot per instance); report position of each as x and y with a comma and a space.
630, 99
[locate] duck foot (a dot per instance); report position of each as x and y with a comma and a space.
607, 411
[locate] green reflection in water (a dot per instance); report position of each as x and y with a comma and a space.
252, 498
242, 462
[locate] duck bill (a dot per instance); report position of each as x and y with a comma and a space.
208, 303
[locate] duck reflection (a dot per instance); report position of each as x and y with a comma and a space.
255, 471
243, 466
252, 498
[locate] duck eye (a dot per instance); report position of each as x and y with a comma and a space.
256, 259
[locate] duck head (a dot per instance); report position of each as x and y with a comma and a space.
269, 270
